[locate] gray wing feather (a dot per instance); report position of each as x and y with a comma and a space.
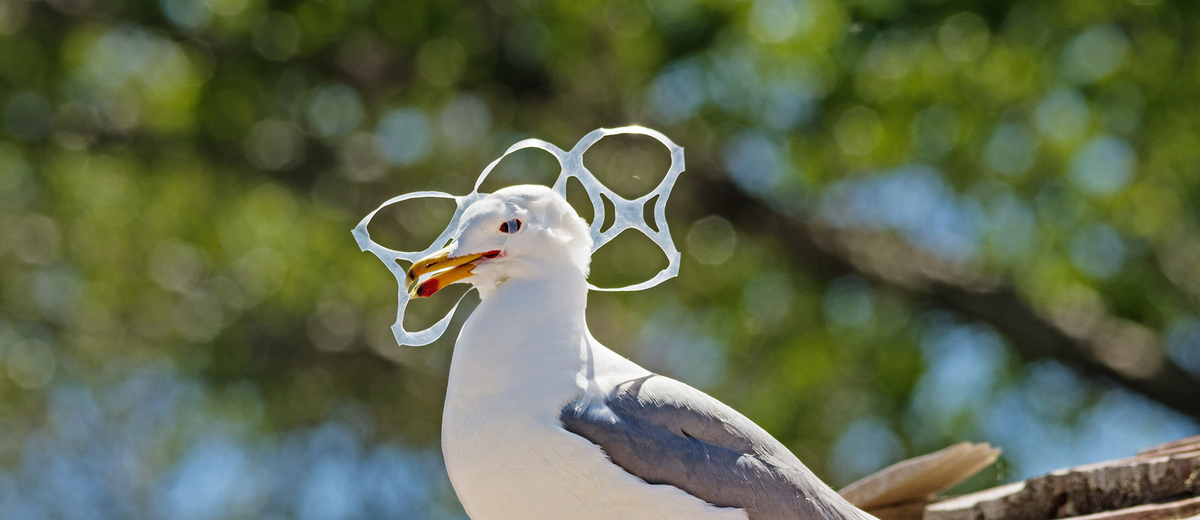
670, 433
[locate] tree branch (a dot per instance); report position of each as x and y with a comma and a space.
1085, 337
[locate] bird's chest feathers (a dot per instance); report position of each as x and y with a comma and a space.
521, 357
516, 363
511, 374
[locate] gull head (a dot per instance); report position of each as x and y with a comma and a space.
516, 232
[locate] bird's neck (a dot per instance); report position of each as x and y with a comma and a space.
527, 340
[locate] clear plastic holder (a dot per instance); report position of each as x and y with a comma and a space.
629, 215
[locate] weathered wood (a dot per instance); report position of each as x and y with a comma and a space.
1175, 446
1169, 511
1169, 451
1081, 490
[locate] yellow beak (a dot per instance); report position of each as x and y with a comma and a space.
445, 268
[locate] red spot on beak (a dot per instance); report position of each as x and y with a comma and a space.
491, 254
428, 288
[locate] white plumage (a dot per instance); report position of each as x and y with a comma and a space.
520, 358
523, 356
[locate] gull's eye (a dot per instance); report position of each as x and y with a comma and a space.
511, 226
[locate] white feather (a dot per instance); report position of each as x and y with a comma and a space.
523, 355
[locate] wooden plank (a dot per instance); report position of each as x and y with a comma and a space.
1168, 511
1081, 490
1169, 451
1173, 446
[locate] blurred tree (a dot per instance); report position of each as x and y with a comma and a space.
905, 223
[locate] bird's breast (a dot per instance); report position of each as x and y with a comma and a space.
514, 467
522, 355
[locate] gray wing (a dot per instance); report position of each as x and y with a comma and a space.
667, 432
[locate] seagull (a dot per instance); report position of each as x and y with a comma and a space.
543, 422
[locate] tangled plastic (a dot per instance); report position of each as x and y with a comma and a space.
629, 215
